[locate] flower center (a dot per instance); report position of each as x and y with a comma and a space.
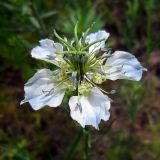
78, 64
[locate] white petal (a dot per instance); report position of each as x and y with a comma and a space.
95, 37
46, 51
41, 90
89, 110
123, 65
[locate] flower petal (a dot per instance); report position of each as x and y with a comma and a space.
91, 38
46, 51
89, 110
41, 90
123, 65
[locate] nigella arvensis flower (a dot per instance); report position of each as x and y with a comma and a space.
82, 64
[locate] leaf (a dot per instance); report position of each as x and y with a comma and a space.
35, 22
48, 14
8, 6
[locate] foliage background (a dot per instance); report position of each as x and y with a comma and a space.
133, 131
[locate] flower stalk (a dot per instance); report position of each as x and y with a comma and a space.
87, 145
74, 146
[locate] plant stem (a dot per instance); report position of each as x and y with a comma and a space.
41, 22
87, 144
74, 146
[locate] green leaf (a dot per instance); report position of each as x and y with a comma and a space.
35, 22
48, 14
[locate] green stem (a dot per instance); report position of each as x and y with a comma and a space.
149, 41
74, 146
41, 22
87, 144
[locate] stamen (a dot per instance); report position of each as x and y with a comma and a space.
83, 49
111, 92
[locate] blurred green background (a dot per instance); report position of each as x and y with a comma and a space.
133, 131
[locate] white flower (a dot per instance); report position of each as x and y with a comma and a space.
93, 37
81, 69
46, 51
123, 65
90, 109
41, 90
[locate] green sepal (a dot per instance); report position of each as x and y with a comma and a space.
63, 41
76, 34
86, 33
